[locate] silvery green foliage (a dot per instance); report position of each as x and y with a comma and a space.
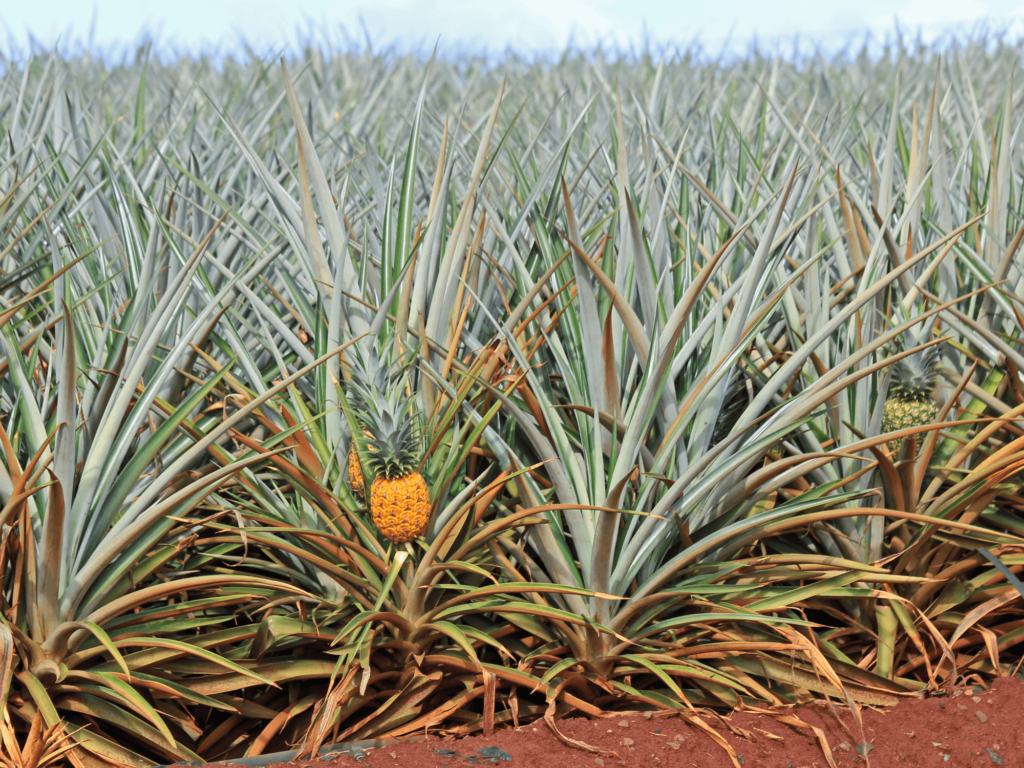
726, 226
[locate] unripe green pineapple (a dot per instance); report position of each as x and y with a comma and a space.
910, 403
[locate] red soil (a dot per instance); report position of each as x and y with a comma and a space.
969, 729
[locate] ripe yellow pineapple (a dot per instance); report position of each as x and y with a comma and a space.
909, 402
399, 499
400, 506
355, 472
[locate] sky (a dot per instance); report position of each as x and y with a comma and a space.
528, 26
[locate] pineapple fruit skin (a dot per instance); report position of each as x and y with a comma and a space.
400, 506
355, 473
901, 414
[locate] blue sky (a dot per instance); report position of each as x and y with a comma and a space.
527, 25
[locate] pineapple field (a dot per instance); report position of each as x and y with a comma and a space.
358, 395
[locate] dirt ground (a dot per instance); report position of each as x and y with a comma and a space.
974, 728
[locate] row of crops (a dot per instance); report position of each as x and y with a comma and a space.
359, 395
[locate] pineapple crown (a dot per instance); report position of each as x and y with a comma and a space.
914, 376
396, 435
396, 452
369, 375
378, 396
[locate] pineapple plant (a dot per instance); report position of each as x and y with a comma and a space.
398, 497
909, 402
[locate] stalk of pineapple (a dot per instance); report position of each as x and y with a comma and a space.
399, 499
909, 402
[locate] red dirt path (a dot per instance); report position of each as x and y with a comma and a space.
971, 729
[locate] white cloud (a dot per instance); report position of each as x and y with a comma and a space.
520, 23
475, 24
934, 14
